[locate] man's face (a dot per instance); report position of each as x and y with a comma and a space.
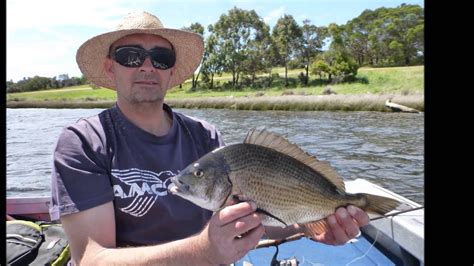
143, 84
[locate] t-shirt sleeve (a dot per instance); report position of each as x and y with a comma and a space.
80, 175
217, 141
215, 137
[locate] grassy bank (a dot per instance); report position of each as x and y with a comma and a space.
369, 92
302, 103
291, 102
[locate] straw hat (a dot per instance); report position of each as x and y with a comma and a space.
188, 46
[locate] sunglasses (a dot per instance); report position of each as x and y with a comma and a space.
130, 56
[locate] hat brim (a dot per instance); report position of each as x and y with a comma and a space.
188, 46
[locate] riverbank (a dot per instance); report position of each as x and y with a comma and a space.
364, 102
373, 86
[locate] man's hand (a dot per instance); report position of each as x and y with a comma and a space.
344, 225
231, 233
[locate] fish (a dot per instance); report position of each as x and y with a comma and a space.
288, 185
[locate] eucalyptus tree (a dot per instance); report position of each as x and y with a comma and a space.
287, 37
212, 62
406, 30
387, 36
357, 41
237, 36
312, 42
258, 54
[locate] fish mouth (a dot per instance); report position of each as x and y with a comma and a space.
177, 187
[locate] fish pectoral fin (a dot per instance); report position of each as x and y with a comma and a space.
315, 228
271, 215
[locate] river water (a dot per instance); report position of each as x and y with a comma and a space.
384, 148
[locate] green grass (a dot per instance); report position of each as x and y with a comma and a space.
378, 81
404, 80
397, 80
83, 92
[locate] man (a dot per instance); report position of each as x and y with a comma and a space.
111, 171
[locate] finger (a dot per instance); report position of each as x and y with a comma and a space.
340, 236
350, 227
359, 215
250, 240
247, 223
326, 238
233, 212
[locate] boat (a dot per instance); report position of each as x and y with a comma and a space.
395, 240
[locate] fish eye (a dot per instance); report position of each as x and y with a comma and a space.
198, 173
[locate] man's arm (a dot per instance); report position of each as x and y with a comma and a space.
230, 234
344, 225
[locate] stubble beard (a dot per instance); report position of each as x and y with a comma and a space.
147, 95
141, 95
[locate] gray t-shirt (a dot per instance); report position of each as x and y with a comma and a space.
106, 158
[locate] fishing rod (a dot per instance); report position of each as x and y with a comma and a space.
397, 213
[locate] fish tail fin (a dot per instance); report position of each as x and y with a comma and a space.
379, 204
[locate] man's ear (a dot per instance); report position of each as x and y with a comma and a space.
109, 68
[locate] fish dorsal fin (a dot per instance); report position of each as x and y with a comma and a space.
278, 143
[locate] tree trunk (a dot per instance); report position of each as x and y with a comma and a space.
286, 66
233, 78
212, 81
237, 80
197, 77
307, 75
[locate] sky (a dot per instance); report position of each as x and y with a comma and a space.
43, 36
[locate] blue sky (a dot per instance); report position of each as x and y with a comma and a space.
43, 36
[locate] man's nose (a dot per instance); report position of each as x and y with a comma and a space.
147, 65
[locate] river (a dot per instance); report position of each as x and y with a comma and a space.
384, 148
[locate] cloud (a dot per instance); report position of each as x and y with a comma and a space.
43, 36
47, 57
274, 14
57, 13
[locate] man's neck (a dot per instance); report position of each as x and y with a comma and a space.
148, 116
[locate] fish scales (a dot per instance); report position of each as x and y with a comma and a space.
288, 185
277, 182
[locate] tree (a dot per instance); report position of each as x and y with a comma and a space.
237, 34
386, 36
258, 56
340, 66
212, 62
312, 41
287, 37
320, 67
199, 29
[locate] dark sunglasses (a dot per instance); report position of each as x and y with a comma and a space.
130, 56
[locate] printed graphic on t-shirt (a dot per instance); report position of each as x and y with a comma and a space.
143, 186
